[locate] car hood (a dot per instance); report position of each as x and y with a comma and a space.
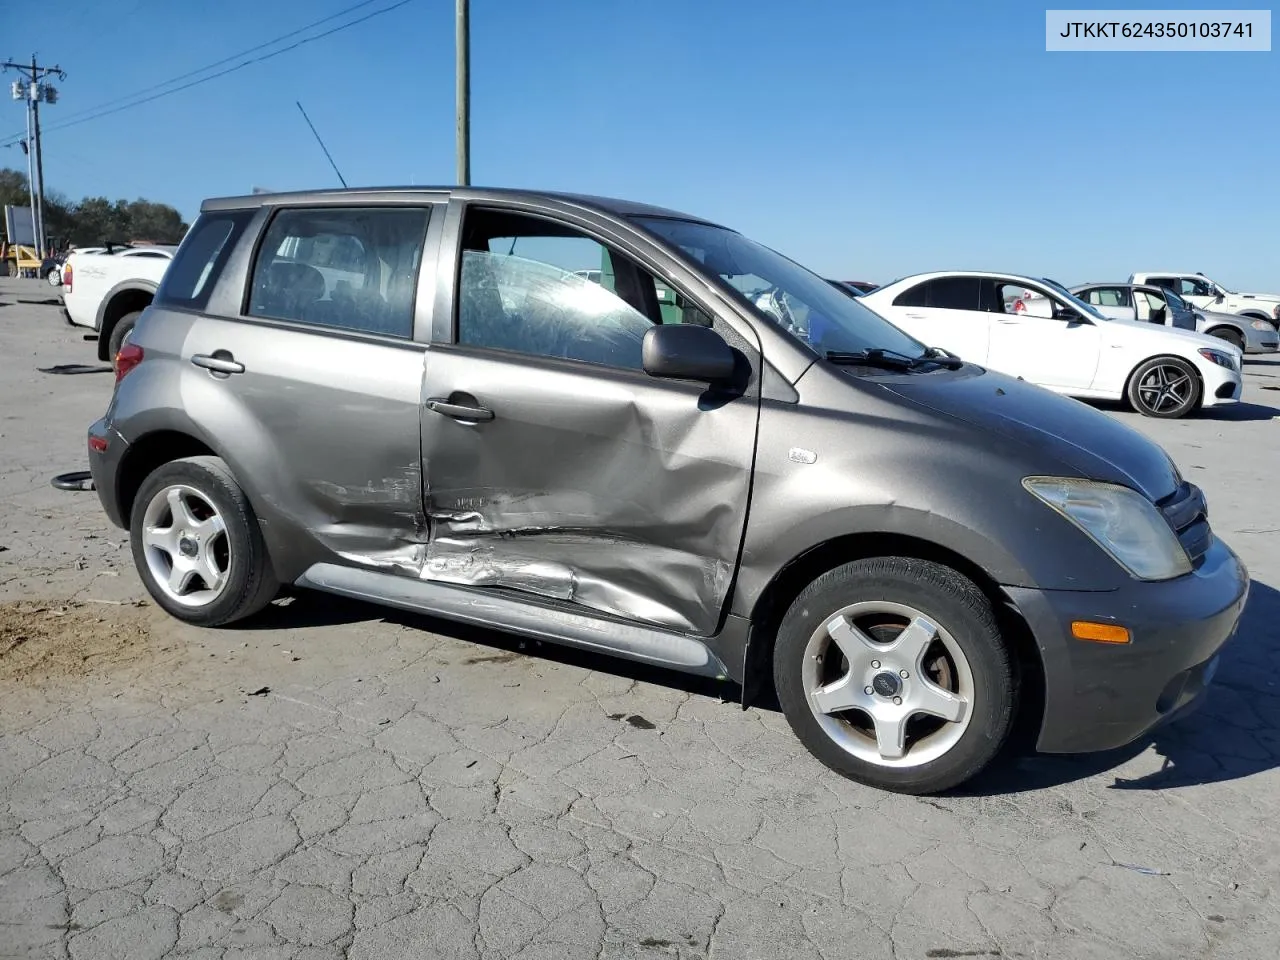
1094, 444
1268, 297
1159, 337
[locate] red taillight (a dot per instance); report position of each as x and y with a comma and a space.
98, 444
66, 277
130, 356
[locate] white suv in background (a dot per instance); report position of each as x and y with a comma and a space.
1038, 331
1200, 291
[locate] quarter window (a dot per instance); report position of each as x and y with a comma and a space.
343, 267
538, 287
917, 296
189, 280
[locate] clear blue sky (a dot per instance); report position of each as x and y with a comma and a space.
867, 140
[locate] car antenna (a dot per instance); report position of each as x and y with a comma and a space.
328, 156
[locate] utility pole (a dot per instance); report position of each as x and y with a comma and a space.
33, 91
462, 42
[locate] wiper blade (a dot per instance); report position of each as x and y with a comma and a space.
892, 360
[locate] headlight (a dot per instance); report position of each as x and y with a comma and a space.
1262, 324
1218, 357
1121, 521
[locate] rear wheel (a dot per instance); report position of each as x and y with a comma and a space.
892, 672
1165, 387
197, 545
120, 332
1231, 336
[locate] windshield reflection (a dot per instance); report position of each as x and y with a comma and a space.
795, 299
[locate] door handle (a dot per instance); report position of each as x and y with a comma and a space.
459, 411
220, 361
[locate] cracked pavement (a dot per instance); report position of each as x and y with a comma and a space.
409, 788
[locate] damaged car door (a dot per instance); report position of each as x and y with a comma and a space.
553, 464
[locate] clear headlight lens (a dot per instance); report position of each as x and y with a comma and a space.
1218, 357
1262, 324
1121, 521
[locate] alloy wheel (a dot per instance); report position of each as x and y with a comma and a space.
1164, 388
888, 684
188, 552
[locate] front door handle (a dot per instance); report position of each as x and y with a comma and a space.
220, 361
459, 411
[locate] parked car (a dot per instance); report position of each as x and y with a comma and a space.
1161, 305
796, 494
107, 290
1038, 331
1205, 294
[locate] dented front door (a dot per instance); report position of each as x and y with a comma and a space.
552, 464
601, 487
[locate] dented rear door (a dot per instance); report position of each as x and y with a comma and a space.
554, 466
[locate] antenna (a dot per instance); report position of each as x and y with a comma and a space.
328, 157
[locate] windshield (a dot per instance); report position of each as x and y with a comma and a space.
802, 303
1072, 299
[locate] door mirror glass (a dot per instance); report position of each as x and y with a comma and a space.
687, 352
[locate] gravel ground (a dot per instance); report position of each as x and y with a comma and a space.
339, 780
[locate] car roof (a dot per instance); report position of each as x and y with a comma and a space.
921, 277
610, 205
1118, 285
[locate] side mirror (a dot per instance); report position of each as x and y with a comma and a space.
687, 352
1067, 314
1219, 297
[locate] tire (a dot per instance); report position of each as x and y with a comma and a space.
1231, 336
1164, 387
964, 659
235, 558
124, 326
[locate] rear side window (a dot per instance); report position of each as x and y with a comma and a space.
954, 293
350, 268
917, 296
190, 278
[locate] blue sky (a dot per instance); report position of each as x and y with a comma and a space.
867, 140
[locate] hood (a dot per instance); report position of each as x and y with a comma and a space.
1267, 297
1089, 441
1175, 338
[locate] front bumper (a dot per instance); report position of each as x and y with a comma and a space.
1220, 384
104, 466
1100, 696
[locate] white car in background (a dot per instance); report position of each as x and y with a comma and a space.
1040, 332
107, 291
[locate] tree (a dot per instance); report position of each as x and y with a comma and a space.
95, 220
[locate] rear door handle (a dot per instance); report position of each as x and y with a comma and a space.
459, 411
220, 361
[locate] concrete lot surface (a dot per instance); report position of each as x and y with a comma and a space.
339, 780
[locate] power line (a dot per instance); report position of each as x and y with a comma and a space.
107, 109
217, 63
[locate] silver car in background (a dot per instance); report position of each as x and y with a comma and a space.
1161, 305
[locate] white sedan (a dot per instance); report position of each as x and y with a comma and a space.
1037, 330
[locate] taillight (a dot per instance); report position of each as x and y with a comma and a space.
130, 356
66, 277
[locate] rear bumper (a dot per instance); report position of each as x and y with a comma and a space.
1101, 696
106, 450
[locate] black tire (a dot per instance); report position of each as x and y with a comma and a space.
1231, 336
124, 326
251, 582
958, 607
1144, 394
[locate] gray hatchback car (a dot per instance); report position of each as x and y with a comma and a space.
703, 457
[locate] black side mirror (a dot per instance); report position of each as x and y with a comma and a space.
1067, 314
687, 352
1219, 298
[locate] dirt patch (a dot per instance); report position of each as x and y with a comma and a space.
43, 640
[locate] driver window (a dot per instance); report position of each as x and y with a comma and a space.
1018, 299
1193, 287
540, 287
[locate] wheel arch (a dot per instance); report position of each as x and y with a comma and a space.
800, 571
1254, 314
122, 299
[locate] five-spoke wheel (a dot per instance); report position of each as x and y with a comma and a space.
1165, 387
893, 671
197, 545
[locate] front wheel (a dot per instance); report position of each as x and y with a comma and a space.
197, 545
1232, 337
1165, 387
892, 671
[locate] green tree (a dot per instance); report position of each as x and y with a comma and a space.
95, 220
